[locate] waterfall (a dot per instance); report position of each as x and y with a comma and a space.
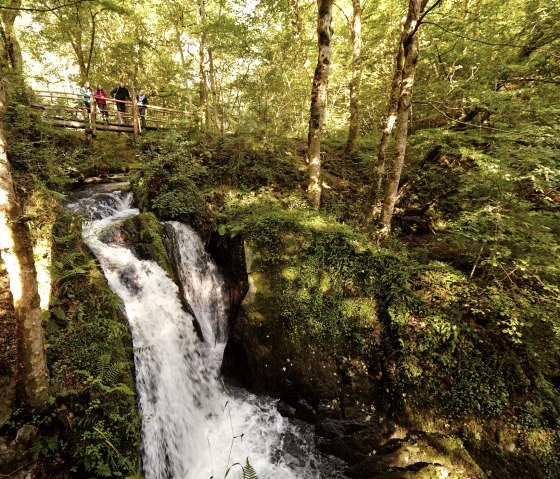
192, 427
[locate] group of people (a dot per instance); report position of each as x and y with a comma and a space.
121, 94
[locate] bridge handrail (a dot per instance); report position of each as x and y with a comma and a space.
166, 115
79, 96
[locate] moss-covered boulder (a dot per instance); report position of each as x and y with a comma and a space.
418, 456
146, 235
312, 323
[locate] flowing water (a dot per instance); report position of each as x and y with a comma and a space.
192, 428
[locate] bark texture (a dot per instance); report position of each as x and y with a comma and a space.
319, 100
11, 48
203, 86
410, 58
354, 128
389, 125
214, 91
15, 248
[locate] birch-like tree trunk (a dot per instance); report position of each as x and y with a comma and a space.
214, 92
390, 120
319, 100
356, 33
15, 248
410, 57
203, 87
184, 66
300, 33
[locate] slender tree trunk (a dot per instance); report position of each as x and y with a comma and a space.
203, 87
300, 33
319, 100
91, 45
15, 248
9, 38
185, 66
410, 55
389, 125
356, 77
214, 92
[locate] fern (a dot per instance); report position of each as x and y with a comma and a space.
108, 371
249, 472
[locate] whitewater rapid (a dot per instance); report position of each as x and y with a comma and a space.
192, 426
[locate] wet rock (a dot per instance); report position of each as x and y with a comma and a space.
286, 410
330, 428
16, 460
26, 434
419, 455
305, 412
94, 180
339, 447
356, 447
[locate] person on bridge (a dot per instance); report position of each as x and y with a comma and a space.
121, 94
100, 98
86, 92
142, 100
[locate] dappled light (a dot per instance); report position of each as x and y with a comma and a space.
325, 234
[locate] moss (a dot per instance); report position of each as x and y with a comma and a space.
94, 425
146, 234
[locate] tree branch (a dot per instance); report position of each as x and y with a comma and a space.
474, 39
463, 122
45, 10
436, 3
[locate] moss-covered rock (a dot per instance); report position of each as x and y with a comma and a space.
418, 456
145, 233
93, 426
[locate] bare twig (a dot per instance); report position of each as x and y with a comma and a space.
46, 9
465, 122
498, 44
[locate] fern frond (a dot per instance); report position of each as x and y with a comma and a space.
249, 472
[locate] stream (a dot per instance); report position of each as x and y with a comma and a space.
193, 425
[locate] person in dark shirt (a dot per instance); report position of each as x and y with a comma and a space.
121, 94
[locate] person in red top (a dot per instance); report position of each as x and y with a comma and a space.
100, 96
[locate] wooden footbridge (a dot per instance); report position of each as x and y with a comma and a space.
68, 110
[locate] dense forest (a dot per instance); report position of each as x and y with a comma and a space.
378, 183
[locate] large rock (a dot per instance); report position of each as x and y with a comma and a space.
418, 456
16, 460
262, 356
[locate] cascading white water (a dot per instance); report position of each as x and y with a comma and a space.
192, 428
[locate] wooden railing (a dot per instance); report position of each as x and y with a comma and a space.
69, 110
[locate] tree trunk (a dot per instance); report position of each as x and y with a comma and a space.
319, 100
214, 92
92, 45
15, 248
185, 66
203, 88
11, 44
300, 33
410, 54
356, 78
389, 125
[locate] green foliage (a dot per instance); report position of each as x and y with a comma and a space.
89, 357
248, 471
165, 184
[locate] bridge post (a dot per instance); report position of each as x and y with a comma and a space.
92, 115
135, 119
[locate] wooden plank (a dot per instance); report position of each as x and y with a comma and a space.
83, 125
